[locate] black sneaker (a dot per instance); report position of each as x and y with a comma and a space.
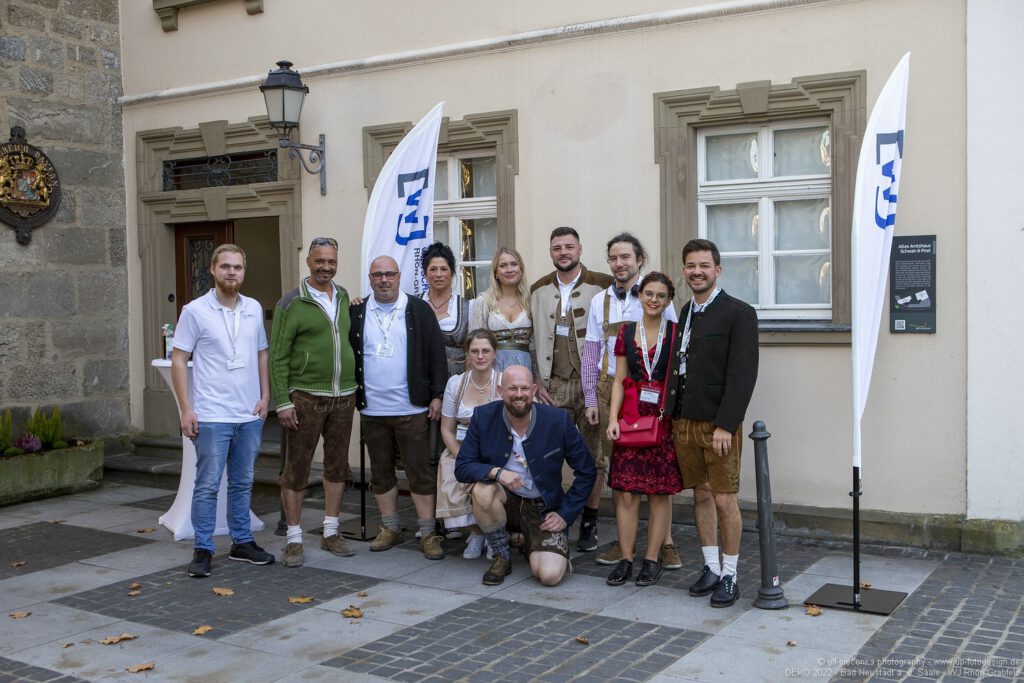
201, 565
251, 553
588, 537
726, 592
705, 583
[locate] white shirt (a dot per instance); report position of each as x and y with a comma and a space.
214, 334
327, 300
565, 291
448, 322
629, 310
385, 372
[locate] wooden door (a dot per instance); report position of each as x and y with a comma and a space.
193, 246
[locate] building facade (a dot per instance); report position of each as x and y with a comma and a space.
673, 119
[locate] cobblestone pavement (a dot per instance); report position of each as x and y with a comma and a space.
82, 569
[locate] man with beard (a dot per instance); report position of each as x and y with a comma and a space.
560, 302
401, 372
513, 455
716, 370
224, 412
313, 370
609, 311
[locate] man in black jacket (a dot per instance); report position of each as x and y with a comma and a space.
716, 370
401, 372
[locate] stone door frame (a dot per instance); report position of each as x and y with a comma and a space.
158, 209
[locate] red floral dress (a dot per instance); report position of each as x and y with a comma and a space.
654, 470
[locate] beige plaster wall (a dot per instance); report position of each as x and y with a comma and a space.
586, 159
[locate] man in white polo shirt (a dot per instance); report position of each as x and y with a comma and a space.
224, 413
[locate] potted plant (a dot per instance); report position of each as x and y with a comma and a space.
42, 462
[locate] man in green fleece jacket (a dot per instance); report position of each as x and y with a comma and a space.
312, 372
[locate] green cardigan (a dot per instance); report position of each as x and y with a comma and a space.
308, 351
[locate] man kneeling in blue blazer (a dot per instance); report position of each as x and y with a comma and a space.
513, 455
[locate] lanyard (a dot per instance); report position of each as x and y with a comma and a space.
236, 318
384, 329
689, 312
650, 364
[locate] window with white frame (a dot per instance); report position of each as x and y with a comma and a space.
764, 197
466, 215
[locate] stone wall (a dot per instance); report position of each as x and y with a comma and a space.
64, 301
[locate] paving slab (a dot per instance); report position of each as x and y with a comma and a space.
48, 623
399, 603
671, 607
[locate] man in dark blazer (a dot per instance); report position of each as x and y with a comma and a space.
716, 370
401, 372
513, 455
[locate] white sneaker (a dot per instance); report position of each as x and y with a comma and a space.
474, 546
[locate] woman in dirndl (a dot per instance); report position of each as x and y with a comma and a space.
464, 392
643, 356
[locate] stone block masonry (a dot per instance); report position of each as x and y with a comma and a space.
63, 308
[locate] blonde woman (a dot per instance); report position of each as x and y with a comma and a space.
504, 309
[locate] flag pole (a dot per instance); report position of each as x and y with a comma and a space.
874, 215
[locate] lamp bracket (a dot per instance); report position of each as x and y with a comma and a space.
317, 163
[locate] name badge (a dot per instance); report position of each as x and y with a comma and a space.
562, 330
650, 395
236, 363
385, 350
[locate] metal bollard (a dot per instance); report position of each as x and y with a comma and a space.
770, 594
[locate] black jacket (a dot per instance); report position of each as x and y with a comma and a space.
426, 363
721, 363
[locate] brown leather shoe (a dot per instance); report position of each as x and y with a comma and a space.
431, 547
669, 557
496, 573
610, 556
292, 555
336, 545
386, 540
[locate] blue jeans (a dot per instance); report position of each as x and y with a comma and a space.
220, 445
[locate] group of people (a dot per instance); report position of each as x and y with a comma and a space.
482, 403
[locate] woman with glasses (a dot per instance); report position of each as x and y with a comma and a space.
451, 309
643, 356
504, 309
476, 386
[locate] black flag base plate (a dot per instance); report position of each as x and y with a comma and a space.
351, 528
872, 600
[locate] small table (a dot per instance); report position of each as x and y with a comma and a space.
179, 518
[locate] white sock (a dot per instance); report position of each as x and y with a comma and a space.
295, 534
330, 526
729, 565
711, 558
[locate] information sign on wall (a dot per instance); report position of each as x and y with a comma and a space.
912, 284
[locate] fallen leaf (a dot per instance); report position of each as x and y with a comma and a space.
113, 640
352, 612
148, 666
19, 615
362, 594
87, 641
791, 643
205, 628
147, 530
866, 585
812, 610
135, 586
133, 594
217, 590
67, 645
18, 563
583, 640
57, 521
300, 600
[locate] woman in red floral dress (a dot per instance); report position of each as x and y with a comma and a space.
643, 354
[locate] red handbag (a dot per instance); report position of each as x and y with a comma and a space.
643, 431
